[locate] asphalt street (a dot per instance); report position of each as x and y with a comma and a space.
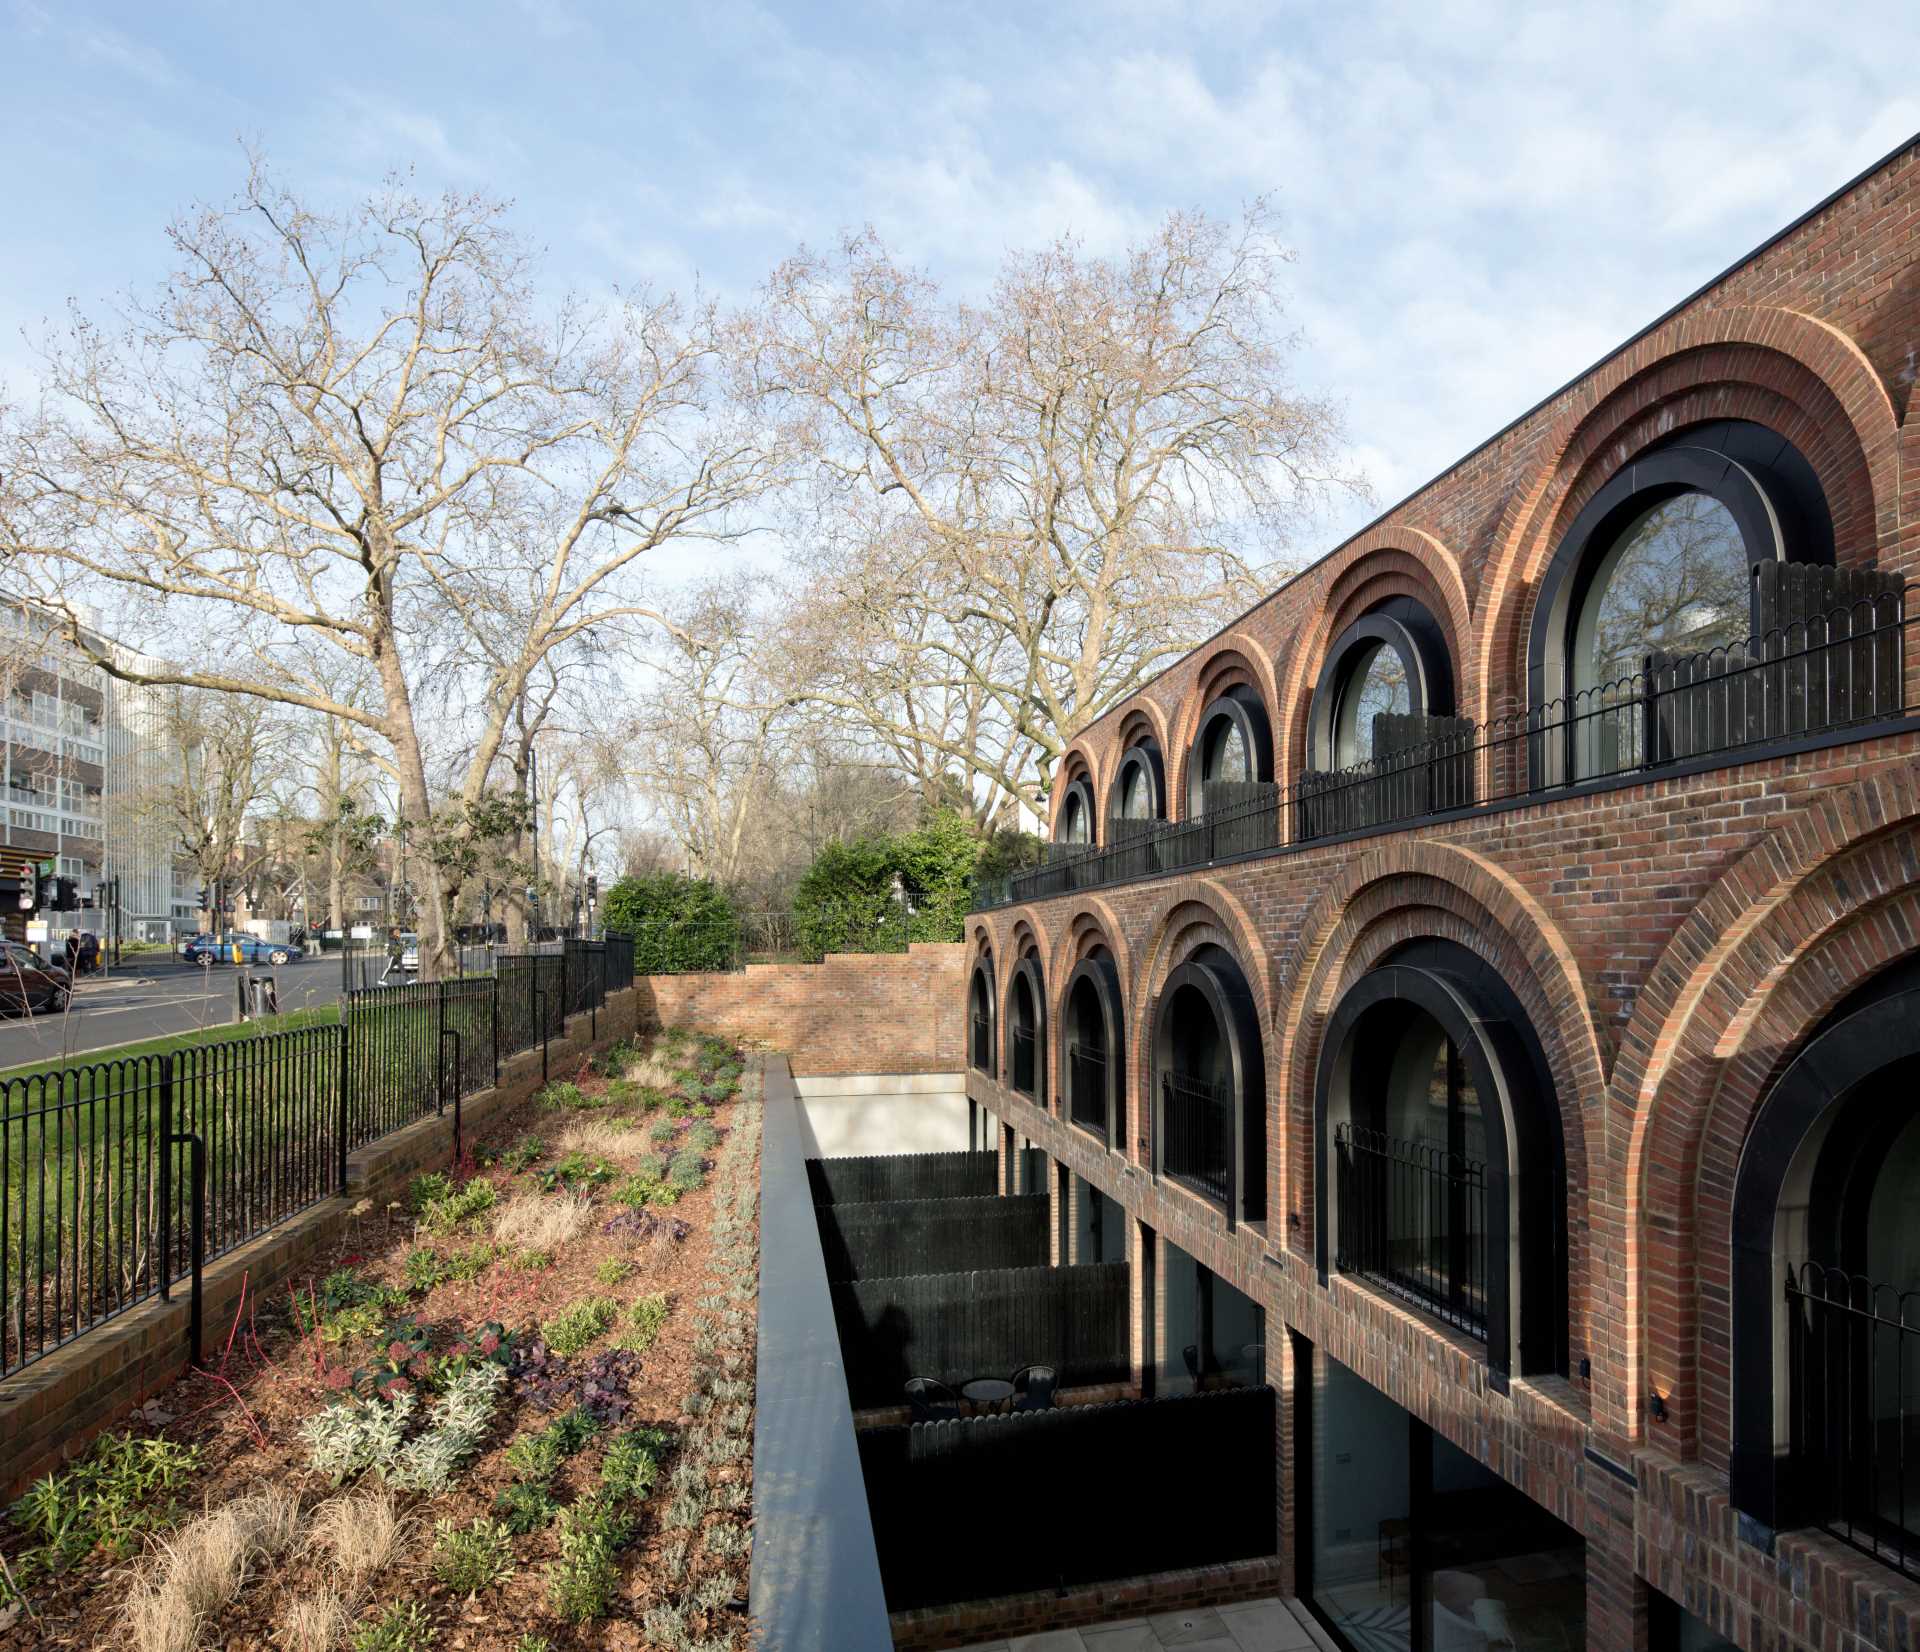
155, 998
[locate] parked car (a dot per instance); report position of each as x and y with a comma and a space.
409, 951
27, 982
222, 949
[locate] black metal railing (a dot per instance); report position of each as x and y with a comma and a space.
1026, 1062
1196, 1142
1413, 1217
1853, 1384
119, 1177
1087, 1087
982, 1056
1841, 668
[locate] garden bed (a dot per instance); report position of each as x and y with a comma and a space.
515, 1411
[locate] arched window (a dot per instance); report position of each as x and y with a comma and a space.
1026, 1038
1658, 567
980, 1016
1392, 661
1442, 1170
1378, 686
1232, 749
1074, 823
1210, 1106
1826, 1282
1094, 1057
1139, 785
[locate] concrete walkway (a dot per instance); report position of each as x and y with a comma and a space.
1252, 1626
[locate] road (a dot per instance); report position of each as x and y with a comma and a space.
153, 999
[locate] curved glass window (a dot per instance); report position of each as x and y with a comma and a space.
1675, 581
1136, 794
1225, 756
1376, 683
1073, 819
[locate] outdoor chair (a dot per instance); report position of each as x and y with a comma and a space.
1033, 1387
932, 1401
1191, 1354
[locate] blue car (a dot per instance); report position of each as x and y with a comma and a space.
236, 949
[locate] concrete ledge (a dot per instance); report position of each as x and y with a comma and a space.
880, 1084
53, 1409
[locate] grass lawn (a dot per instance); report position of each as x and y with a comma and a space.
321, 1015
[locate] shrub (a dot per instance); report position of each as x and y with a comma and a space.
402, 1627
582, 1581
678, 924
112, 1497
424, 1268
613, 1272
525, 1152
597, 1385
632, 1462
426, 1188
644, 1320
471, 1558
846, 902
525, 1507
445, 1213
572, 1329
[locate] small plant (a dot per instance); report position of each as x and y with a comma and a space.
574, 1328
402, 1361
424, 1269
524, 1154
445, 1214
578, 1170
111, 1498
491, 1344
532, 1261
428, 1188
665, 1130
402, 1627
560, 1093
644, 1320
632, 1462
724, 1539
582, 1581
613, 1272
532, 1643
597, 1385
525, 1507
687, 1170
471, 1558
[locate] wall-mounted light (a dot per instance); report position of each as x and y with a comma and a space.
1658, 1406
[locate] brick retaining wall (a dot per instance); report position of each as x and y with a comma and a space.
851, 1013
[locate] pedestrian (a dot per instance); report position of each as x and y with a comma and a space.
73, 949
89, 952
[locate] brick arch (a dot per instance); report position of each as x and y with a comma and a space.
1752, 358
1077, 762
1391, 561
1093, 923
1804, 916
1234, 658
1366, 916
1133, 722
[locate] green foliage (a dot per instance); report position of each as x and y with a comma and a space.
577, 1170
575, 1327
403, 1627
582, 1581
526, 1507
1008, 851
469, 1264
471, 1558
644, 1320
531, 1261
121, 1490
524, 1153
847, 901
613, 1272
678, 924
561, 1093
532, 1643
632, 1462
427, 1188
424, 1268
445, 1212
684, 1170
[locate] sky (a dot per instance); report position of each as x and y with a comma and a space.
1483, 198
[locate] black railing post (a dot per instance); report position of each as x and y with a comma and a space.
166, 1175
1649, 715
454, 1034
540, 1001
197, 1230
493, 998
341, 1084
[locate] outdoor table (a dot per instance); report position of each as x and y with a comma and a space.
987, 1393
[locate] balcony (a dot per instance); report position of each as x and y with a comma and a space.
1853, 1386
1413, 1219
1839, 670
1087, 1088
1196, 1146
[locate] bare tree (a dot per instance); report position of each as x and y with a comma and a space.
361, 432
1025, 509
231, 753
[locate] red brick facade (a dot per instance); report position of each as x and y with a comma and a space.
850, 1014
1672, 941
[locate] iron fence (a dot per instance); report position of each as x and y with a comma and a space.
984, 1323
1026, 1061
1196, 1135
1412, 1216
119, 1177
1087, 1088
1835, 669
1853, 1386
981, 1056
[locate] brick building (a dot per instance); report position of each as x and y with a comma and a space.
1479, 989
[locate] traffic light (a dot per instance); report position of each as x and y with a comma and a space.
66, 894
593, 888
29, 896
200, 899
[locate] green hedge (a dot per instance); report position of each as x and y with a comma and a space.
877, 894
679, 924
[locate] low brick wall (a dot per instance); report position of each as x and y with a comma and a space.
53, 1409
851, 1013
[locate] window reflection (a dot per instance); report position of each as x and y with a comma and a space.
1225, 757
1675, 581
1136, 801
1376, 683
1073, 824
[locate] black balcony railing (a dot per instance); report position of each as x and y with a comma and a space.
1853, 1381
1087, 1087
1196, 1143
1025, 1064
1837, 669
982, 1044
1413, 1217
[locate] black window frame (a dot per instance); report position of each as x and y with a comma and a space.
1101, 975
1216, 975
